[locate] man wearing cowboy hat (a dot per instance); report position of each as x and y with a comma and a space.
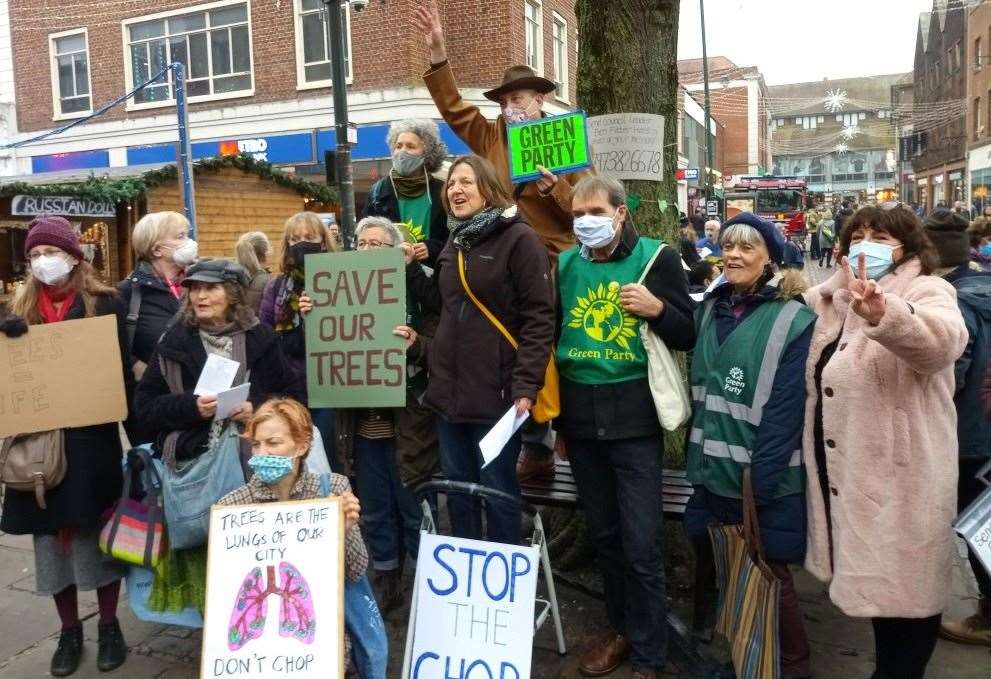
545, 203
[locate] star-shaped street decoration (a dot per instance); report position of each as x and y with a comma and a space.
850, 132
835, 100
841, 148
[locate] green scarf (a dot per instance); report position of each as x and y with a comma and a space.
409, 187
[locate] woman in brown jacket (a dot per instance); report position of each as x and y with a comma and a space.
475, 375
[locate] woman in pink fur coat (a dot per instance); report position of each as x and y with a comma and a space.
880, 442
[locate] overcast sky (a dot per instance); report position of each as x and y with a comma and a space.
793, 41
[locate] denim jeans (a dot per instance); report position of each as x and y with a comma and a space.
389, 512
325, 419
369, 640
619, 483
461, 460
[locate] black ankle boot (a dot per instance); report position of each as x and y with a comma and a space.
69, 652
112, 649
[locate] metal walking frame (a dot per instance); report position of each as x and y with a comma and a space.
545, 607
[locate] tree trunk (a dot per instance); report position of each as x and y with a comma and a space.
628, 63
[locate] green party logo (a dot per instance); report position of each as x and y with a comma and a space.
415, 231
602, 318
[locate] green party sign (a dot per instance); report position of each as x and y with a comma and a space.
557, 143
352, 358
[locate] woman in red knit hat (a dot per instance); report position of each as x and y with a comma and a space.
63, 286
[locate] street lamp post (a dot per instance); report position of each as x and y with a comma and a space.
708, 111
342, 156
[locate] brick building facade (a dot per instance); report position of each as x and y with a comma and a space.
942, 61
259, 74
738, 99
979, 105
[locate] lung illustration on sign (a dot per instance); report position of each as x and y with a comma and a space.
296, 618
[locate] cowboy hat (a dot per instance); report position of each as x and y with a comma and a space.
520, 78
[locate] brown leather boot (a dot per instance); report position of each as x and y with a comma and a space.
974, 630
606, 655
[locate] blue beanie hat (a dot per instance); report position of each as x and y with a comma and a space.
773, 239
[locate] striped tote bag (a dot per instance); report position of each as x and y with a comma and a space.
748, 594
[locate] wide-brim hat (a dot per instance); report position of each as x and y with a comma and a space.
520, 78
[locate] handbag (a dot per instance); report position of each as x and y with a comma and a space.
667, 383
33, 462
190, 488
139, 581
135, 532
548, 405
748, 593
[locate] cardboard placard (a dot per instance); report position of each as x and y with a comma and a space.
628, 145
974, 522
474, 609
275, 591
352, 358
66, 374
556, 143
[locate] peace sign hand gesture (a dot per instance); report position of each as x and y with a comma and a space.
868, 297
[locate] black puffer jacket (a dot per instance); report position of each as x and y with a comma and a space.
93, 475
158, 307
474, 372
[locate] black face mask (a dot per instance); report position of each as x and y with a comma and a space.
300, 250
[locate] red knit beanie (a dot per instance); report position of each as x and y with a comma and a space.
56, 231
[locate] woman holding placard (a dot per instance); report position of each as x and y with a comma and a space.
214, 320
63, 287
495, 259
281, 433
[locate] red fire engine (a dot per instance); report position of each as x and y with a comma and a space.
778, 199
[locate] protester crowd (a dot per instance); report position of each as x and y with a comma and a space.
850, 417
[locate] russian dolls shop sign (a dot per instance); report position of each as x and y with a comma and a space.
352, 358
473, 610
66, 206
66, 374
275, 591
558, 144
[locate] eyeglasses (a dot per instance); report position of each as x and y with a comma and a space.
369, 244
51, 252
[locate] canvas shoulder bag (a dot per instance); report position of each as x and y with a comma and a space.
135, 532
33, 462
548, 405
667, 384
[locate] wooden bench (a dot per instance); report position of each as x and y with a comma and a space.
560, 490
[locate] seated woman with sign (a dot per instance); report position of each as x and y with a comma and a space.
281, 433
496, 260
66, 527
304, 234
394, 449
214, 320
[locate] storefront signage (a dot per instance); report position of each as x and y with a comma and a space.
65, 206
258, 148
956, 176
691, 173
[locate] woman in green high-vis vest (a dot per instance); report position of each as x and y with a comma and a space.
748, 388
410, 195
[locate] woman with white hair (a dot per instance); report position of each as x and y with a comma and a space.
151, 292
410, 195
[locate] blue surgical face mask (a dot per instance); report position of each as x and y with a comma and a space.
271, 468
878, 257
595, 231
985, 250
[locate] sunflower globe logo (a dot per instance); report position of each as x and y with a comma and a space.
602, 318
415, 231
734, 383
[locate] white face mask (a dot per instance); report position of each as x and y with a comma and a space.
186, 253
50, 269
521, 115
595, 231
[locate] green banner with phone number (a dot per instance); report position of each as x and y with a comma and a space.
556, 143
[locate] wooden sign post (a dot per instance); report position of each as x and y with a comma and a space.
275, 591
